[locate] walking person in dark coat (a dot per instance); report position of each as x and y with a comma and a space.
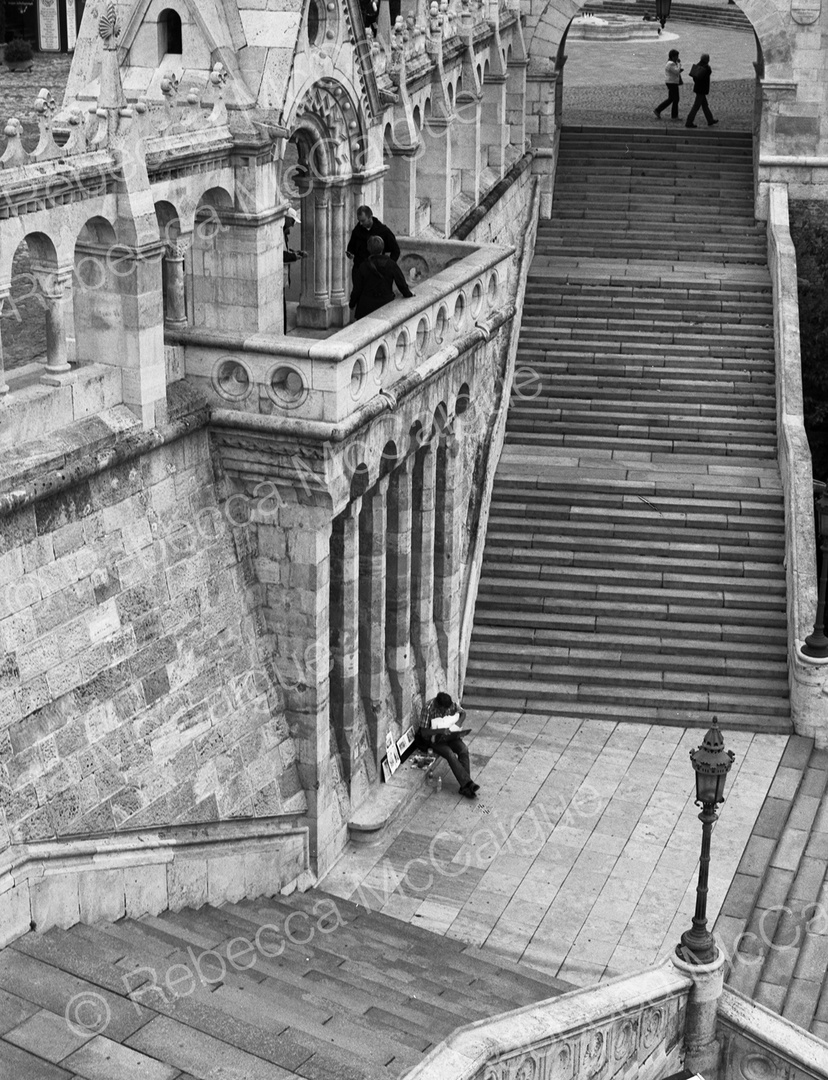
374, 280
672, 74
700, 74
367, 226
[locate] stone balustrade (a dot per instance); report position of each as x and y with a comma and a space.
329, 379
632, 1026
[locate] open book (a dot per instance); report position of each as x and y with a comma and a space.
445, 723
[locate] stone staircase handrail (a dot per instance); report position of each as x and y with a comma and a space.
625, 1020
808, 680
753, 1035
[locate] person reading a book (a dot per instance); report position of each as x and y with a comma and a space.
440, 730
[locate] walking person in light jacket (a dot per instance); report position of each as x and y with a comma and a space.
673, 80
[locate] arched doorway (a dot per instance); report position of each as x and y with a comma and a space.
323, 176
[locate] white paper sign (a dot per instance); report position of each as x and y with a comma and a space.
48, 25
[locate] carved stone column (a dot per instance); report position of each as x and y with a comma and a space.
434, 172
175, 313
340, 278
57, 295
466, 144
372, 674
345, 632
400, 195
398, 589
315, 301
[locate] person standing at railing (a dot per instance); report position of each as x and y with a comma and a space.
289, 256
366, 227
374, 280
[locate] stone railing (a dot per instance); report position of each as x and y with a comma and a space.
632, 1026
326, 381
758, 1044
808, 678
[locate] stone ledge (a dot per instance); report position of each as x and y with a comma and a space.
60, 883
33, 470
370, 819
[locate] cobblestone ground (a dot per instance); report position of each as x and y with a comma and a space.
618, 84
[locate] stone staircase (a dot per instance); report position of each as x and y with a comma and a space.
308, 985
774, 921
634, 555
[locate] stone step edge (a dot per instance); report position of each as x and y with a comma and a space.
728, 927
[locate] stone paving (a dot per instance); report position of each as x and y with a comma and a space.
580, 856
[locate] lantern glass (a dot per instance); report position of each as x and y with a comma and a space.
822, 511
709, 787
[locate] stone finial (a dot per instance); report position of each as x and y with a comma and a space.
45, 106
218, 80
76, 143
15, 153
108, 26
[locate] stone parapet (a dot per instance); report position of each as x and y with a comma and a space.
758, 1044
329, 380
631, 1026
808, 680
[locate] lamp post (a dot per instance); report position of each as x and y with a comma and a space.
663, 11
711, 763
816, 643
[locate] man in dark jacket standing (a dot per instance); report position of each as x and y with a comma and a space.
700, 74
374, 280
366, 227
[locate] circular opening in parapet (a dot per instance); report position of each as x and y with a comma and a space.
476, 300
287, 387
492, 290
313, 23
441, 324
231, 380
358, 374
459, 310
422, 336
401, 348
380, 362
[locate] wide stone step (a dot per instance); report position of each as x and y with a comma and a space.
743, 402
667, 577
563, 309
607, 698
636, 418
579, 362
533, 494
732, 657
616, 669
741, 454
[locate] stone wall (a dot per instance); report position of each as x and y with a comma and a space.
135, 688
758, 1044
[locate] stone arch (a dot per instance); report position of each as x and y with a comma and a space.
389, 458
548, 21
360, 481
99, 284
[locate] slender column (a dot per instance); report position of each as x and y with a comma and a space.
4, 387
400, 193
321, 250
345, 633
338, 246
175, 315
372, 675
57, 295
447, 578
398, 589
422, 560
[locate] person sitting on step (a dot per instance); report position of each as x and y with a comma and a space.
445, 739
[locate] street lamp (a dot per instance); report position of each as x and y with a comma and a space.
816, 643
711, 763
663, 11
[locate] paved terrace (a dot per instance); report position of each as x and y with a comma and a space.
580, 855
